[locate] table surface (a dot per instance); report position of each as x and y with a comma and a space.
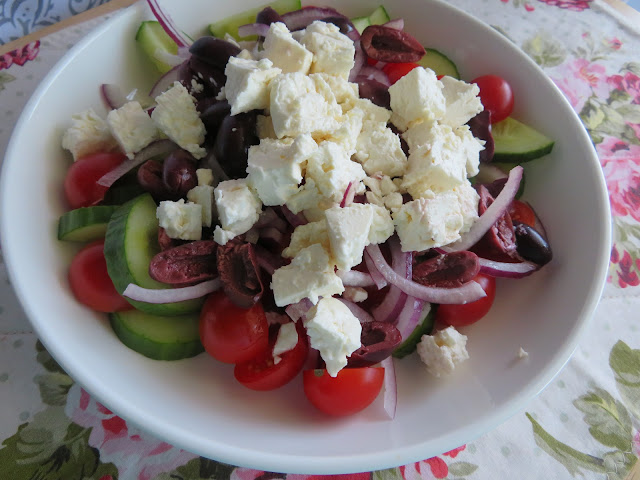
585, 423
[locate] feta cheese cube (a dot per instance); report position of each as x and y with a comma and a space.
468, 200
378, 149
309, 275
382, 226
343, 90
307, 197
274, 167
180, 220
203, 195
346, 135
238, 209
443, 352
131, 126
176, 115
306, 235
285, 52
333, 52
462, 101
417, 97
297, 107
348, 231
472, 148
286, 340
247, 86
334, 331
88, 133
205, 176
372, 112
332, 170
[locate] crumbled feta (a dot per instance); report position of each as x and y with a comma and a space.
286, 340
308, 197
417, 97
309, 275
306, 235
334, 331
462, 101
131, 126
203, 195
355, 294
472, 148
378, 149
88, 133
285, 52
346, 135
274, 167
204, 176
522, 353
264, 127
372, 112
443, 352
238, 209
297, 107
333, 52
348, 230
180, 220
176, 115
343, 90
382, 226
247, 86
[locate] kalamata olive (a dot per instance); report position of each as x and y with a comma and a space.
239, 273
212, 117
214, 51
480, 127
375, 91
208, 75
150, 179
531, 245
390, 45
448, 270
268, 16
235, 135
179, 173
185, 264
378, 339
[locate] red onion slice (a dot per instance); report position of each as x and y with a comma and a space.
397, 23
167, 24
373, 73
359, 60
376, 275
491, 215
112, 96
273, 234
171, 295
508, 270
349, 194
469, 292
410, 316
354, 278
156, 148
168, 79
298, 310
391, 306
259, 29
390, 387
358, 312
268, 260
295, 219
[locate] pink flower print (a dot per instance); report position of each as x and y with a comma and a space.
615, 255
429, 469
627, 278
580, 79
621, 166
348, 476
628, 83
20, 56
614, 43
636, 443
575, 5
454, 453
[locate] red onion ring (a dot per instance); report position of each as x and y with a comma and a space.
349, 194
409, 316
298, 310
168, 79
394, 300
167, 24
358, 312
259, 29
373, 73
354, 278
390, 387
112, 96
469, 292
396, 23
507, 270
359, 60
171, 295
295, 219
376, 275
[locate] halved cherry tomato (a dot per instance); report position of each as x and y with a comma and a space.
462, 315
496, 95
349, 392
90, 282
81, 187
522, 212
232, 334
262, 373
395, 71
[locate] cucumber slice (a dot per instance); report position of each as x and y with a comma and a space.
424, 327
361, 23
230, 24
439, 63
159, 338
379, 16
130, 243
152, 37
85, 224
119, 194
516, 142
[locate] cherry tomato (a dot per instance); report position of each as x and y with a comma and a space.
522, 212
232, 334
81, 187
262, 373
462, 315
496, 96
352, 390
90, 282
395, 71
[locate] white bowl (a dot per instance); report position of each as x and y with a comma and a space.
196, 404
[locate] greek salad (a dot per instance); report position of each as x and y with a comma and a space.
300, 193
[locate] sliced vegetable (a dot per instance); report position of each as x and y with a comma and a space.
424, 327
390, 387
439, 63
85, 224
81, 186
462, 315
171, 295
153, 39
230, 24
516, 142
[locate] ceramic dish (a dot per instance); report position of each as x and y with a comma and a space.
196, 404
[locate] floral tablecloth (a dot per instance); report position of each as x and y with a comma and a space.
587, 421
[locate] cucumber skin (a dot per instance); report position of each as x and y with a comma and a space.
512, 147
84, 224
230, 24
408, 346
441, 64
146, 31
155, 349
118, 259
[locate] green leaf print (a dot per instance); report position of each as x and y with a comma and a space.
609, 420
388, 474
618, 464
199, 469
46, 360
4, 79
545, 51
572, 459
54, 388
625, 363
462, 469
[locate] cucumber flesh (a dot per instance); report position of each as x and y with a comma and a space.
424, 327
361, 23
152, 38
230, 24
85, 224
439, 63
156, 337
379, 16
130, 243
516, 142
